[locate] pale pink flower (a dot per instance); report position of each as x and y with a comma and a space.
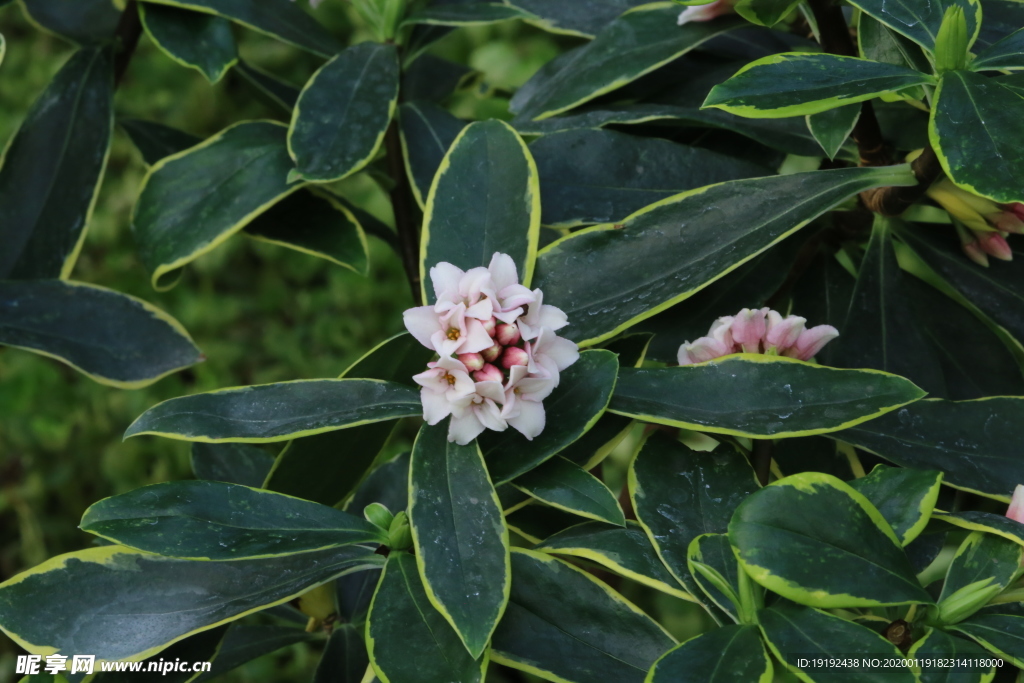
488, 373
509, 296
781, 333
447, 333
758, 330
524, 396
540, 315
549, 354
748, 329
811, 341
1016, 509
706, 12
454, 286
446, 387
719, 343
480, 412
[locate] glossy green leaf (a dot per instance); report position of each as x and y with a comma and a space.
905, 497
136, 604
975, 443
822, 295
794, 631
86, 22
569, 487
484, 199
200, 41
433, 79
265, 413
244, 643
679, 494
942, 646
625, 551
724, 655
428, 131
813, 539
408, 640
635, 44
880, 43
601, 176
466, 14
831, 128
974, 121
283, 94
535, 521
314, 223
793, 398
201, 647
327, 467
111, 337
345, 658
598, 443
799, 83
387, 484
462, 545
581, 17
712, 564
765, 12
343, 112
983, 566
1004, 55
920, 20
193, 201
976, 520
278, 18
564, 625
52, 168
212, 520
1001, 634
571, 410
665, 253
811, 454
235, 463
154, 140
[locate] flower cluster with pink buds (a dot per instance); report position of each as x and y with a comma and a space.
758, 330
982, 224
499, 354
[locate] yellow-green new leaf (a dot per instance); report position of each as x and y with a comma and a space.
122, 604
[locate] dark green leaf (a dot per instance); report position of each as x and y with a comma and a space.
679, 494
794, 631
600, 176
984, 565
432, 79
200, 41
998, 633
283, 94
942, 646
244, 643
113, 338
813, 539
822, 295
536, 522
712, 564
278, 18
277, 412
792, 398
728, 654
314, 223
236, 463
345, 658
581, 17
974, 120
920, 20
1005, 55
343, 112
831, 128
484, 199
905, 497
799, 83
394, 360
575, 406
136, 604
880, 43
155, 140
353, 594
627, 552
212, 520
387, 485
565, 625
666, 253
635, 44
975, 443
85, 22
569, 487
462, 545
466, 14
192, 201
598, 443
988, 522
428, 131
52, 168
811, 454
408, 640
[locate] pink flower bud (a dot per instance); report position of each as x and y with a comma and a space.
1008, 221
995, 245
811, 341
748, 328
1017, 208
493, 353
472, 361
507, 335
1016, 511
514, 356
705, 349
488, 373
489, 325
973, 251
781, 333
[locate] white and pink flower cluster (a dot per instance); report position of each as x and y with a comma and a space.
758, 330
499, 354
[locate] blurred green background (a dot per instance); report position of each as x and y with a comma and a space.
260, 313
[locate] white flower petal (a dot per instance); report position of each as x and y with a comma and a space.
422, 323
477, 339
530, 420
435, 406
490, 416
462, 430
445, 278
503, 271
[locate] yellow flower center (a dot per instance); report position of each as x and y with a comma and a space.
453, 333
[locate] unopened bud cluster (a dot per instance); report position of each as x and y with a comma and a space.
982, 224
759, 330
499, 354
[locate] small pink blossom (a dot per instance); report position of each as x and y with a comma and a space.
447, 333
550, 354
488, 373
748, 329
811, 341
1016, 509
446, 387
706, 12
510, 296
758, 330
718, 343
541, 315
524, 396
481, 412
994, 244
781, 333
507, 335
492, 353
514, 356
472, 361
